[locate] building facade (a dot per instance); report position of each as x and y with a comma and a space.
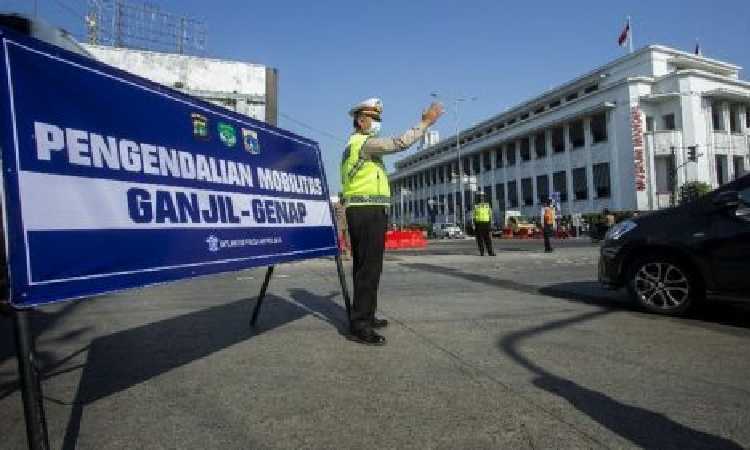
620, 137
249, 89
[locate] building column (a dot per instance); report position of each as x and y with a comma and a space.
569, 168
588, 142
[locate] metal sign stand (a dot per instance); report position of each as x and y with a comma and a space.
31, 387
267, 279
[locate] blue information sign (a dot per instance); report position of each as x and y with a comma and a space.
112, 181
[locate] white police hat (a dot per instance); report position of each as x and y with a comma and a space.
372, 105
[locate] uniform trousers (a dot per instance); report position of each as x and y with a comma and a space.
367, 227
548, 231
482, 231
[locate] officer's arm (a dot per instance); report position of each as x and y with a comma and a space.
393, 144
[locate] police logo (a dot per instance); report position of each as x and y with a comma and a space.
200, 126
213, 243
250, 141
227, 134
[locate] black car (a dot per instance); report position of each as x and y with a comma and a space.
671, 259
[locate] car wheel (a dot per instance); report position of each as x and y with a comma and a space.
662, 285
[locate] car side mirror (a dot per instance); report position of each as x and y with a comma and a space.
727, 199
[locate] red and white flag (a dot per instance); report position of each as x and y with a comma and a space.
625, 35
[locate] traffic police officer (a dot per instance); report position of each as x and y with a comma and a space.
367, 196
482, 221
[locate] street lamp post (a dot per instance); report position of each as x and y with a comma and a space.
456, 102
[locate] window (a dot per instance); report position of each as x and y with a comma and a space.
649, 124
721, 169
575, 133
558, 140
475, 163
524, 116
428, 178
571, 97
717, 116
560, 184
599, 127
510, 154
527, 191
488, 194
601, 180
441, 204
540, 145
499, 156
747, 117
734, 119
739, 166
421, 208
668, 121
512, 195
542, 188
468, 199
487, 160
580, 184
450, 204
435, 175
591, 88
525, 149
554, 104
458, 200
500, 194
539, 110
465, 164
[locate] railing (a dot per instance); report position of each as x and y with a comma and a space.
663, 200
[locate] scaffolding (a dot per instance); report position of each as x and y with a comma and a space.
143, 26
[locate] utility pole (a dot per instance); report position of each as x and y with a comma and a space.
456, 102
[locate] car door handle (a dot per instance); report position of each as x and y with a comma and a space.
699, 234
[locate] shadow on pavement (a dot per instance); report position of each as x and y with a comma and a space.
121, 360
41, 321
323, 307
640, 426
644, 428
734, 314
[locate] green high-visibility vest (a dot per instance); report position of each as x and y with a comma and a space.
482, 213
364, 181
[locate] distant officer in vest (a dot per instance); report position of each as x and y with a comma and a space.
367, 197
548, 224
482, 220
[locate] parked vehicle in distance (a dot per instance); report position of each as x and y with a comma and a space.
671, 259
447, 230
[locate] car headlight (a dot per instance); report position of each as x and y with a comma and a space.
617, 231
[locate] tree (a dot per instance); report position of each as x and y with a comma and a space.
693, 190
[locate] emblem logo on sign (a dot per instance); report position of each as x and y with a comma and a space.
227, 134
250, 141
200, 126
213, 243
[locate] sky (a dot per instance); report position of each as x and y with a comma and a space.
332, 54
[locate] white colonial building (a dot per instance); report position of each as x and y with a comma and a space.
609, 139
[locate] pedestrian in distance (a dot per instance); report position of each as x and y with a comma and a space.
482, 216
548, 224
367, 196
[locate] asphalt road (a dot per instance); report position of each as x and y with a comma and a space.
522, 350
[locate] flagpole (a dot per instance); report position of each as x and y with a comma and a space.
630, 36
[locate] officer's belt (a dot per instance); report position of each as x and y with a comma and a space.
368, 200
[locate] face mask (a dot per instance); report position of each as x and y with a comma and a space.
374, 128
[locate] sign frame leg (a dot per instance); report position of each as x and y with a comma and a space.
261, 296
31, 388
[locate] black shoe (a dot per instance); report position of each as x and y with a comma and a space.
492, 254
481, 254
379, 323
367, 337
